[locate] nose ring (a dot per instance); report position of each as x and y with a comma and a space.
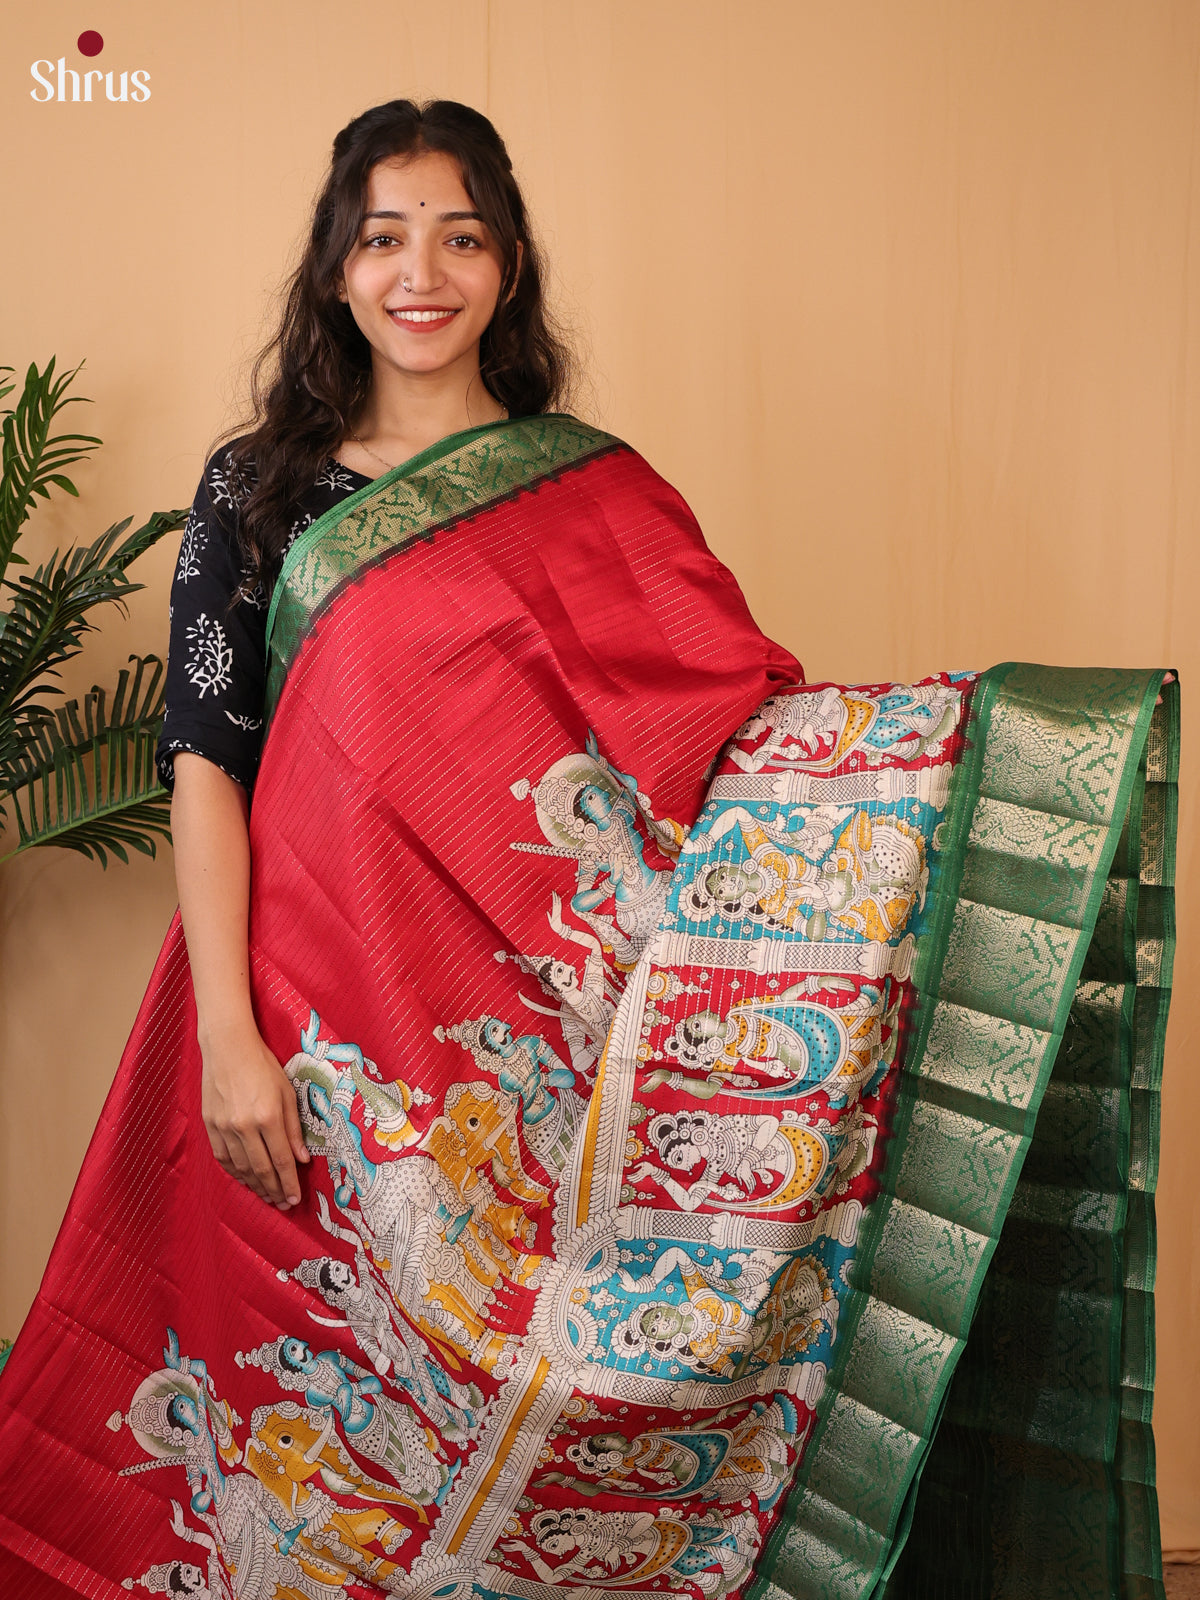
407, 286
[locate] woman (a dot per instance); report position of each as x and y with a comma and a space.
399, 337
499, 666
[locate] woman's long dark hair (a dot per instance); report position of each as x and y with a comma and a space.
311, 377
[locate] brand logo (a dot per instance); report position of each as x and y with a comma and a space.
55, 80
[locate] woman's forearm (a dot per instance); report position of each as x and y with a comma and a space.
247, 1101
210, 829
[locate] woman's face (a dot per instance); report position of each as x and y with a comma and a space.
700, 1027
432, 235
726, 883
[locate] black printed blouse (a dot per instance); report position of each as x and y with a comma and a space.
216, 663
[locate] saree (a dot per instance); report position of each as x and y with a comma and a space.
733, 1106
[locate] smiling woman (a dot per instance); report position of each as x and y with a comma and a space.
423, 295
571, 1123
424, 198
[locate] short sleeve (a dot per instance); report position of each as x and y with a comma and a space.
216, 656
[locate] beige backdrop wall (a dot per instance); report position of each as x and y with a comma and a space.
904, 297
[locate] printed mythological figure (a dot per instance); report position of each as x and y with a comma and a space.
715, 1328
292, 1449
400, 1203
384, 1334
589, 810
178, 1423
722, 1461
856, 1141
710, 1334
736, 1156
617, 1549
176, 1418
867, 883
551, 1109
383, 1430
787, 1038
386, 1105
184, 1578
914, 720
819, 728
474, 1143
799, 1310
587, 1004
411, 1207
773, 1310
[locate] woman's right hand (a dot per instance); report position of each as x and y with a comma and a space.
249, 1110
247, 1102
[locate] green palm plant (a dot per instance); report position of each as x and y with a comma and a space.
79, 774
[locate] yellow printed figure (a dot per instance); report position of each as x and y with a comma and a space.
713, 1331
840, 868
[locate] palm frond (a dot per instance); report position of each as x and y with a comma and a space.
84, 778
32, 458
107, 554
48, 617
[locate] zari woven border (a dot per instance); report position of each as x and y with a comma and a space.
460, 477
1069, 777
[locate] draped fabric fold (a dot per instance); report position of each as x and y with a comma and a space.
733, 1104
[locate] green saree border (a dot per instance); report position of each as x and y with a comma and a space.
1049, 1407
460, 476
1148, 947
1034, 820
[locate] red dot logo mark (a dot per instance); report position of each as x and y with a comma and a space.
89, 43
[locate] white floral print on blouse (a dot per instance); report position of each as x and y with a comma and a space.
216, 665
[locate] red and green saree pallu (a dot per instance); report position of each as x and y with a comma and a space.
733, 1106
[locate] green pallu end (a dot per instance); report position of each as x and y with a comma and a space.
985, 1426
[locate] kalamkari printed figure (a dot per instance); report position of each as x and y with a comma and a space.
819, 728
867, 883
792, 1041
715, 1329
749, 1162
384, 1335
527, 1067
184, 1578
586, 1004
590, 811
726, 1460
384, 1431
787, 1038
263, 1517
619, 1549
446, 1219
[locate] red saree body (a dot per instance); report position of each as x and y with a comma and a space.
575, 608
